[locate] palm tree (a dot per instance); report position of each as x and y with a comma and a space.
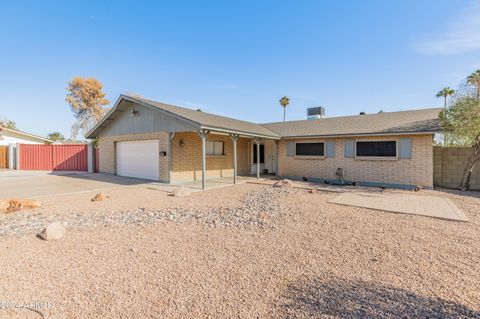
474, 79
445, 93
284, 101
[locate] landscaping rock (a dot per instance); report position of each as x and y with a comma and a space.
100, 197
258, 208
54, 231
13, 205
284, 183
4, 204
180, 192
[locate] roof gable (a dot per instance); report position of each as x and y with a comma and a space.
197, 119
404, 122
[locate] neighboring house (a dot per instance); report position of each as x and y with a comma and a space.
147, 139
9, 136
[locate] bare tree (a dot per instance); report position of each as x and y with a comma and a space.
87, 101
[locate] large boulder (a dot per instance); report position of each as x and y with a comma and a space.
54, 231
284, 183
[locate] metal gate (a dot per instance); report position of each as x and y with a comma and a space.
3, 156
53, 157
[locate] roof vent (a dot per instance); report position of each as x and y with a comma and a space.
315, 113
363, 113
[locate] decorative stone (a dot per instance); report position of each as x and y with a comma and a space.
283, 183
54, 231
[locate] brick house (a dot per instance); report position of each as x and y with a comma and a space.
151, 140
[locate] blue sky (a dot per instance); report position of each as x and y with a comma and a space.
235, 58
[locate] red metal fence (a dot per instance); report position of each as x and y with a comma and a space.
54, 157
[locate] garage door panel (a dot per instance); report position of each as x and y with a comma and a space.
139, 159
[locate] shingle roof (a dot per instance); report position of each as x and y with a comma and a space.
209, 120
415, 121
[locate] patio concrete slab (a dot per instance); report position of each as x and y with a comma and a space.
217, 182
404, 203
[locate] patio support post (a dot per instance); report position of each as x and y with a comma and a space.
276, 158
234, 138
171, 136
257, 141
203, 135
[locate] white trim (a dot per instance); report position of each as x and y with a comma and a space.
377, 158
241, 133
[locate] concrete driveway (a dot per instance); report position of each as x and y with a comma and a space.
32, 184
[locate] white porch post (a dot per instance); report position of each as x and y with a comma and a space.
234, 138
203, 135
257, 141
171, 136
276, 157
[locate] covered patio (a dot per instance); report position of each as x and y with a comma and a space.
146, 139
211, 156
221, 182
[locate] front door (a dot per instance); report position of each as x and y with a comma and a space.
254, 158
268, 157
271, 156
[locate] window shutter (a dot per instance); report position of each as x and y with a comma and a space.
349, 148
330, 152
291, 149
405, 148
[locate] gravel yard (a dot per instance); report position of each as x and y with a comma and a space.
247, 251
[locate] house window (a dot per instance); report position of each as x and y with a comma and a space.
309, 149
262, 154
214, 148
376, 149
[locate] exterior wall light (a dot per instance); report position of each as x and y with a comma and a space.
182, 143
135, 112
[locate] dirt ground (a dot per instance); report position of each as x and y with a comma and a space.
321, 260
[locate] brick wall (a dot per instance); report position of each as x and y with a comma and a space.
449, 164
415, 171
187, 160
108, 151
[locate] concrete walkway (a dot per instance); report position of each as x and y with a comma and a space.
431, 206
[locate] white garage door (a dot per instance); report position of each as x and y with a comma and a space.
138, 159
